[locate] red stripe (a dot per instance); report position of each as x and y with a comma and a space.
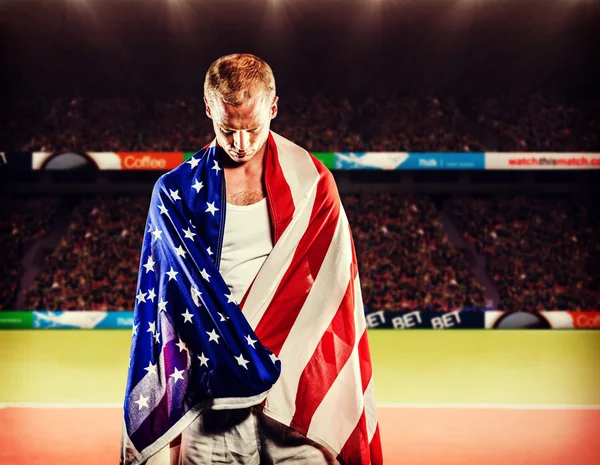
375, 449
330, 356
295, 285
356, 451
354, 448
281, 205
364, 357
279, 194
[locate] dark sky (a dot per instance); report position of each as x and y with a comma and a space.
408, 46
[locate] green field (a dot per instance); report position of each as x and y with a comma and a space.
410, 366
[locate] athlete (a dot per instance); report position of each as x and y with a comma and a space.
254, 219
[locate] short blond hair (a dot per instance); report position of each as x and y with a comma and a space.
238, 78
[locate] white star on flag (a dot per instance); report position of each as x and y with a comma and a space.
187, 316
179, 251
151, 295
189, 234
230, 298
174, 194
149, 264
149, 227
223, 317
205, 274
141, 297
157, 338
192, 224
196, 296
210, 252
162, 305
182, 346
273, 358
213, 336
194, 162
142, 402
250, 341
172, 274
216, 167
241, 361
151, 368
135, 329
177, 374
152, 327
197, 185
211, 208
203, 359
163, 210
157, 233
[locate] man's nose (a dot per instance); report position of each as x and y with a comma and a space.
241, 139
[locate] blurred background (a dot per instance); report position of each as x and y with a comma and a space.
464, 136
353, 76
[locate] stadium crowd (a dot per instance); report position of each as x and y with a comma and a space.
541, 122
95, 265
23, 221
531, 121
404, 256
542, 253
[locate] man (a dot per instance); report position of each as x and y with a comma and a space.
284, 377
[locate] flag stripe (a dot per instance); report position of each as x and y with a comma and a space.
296, 163
370, 410
331, 355
298, 170
342, 406
364, 358
375, 448
259, 297
295, 285
356, 450
326, 293
279, 192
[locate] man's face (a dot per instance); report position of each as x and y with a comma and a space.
242, 131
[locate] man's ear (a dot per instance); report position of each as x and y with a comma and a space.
274, 107
207, 106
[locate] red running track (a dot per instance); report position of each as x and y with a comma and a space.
415, 436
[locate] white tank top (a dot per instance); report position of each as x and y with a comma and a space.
246, 244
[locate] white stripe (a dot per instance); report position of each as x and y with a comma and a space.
298, 169
277, 263
294, 164
370, 406
326, 294
342, 406
119, 405
370, 410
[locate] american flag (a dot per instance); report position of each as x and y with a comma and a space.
296, 344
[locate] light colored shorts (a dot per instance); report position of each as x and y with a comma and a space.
247, 437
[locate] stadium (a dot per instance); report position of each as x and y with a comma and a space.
463, 137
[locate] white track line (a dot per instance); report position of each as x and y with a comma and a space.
494, 406
115, 405
49, 405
